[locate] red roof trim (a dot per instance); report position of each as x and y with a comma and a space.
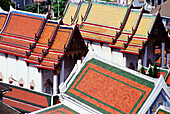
140, 38
127, 33
57, 52
17, 38
13, 54
100, 25
30, 61
124, 51
112, 46
98, 40
44, 67
135, 46
38, 45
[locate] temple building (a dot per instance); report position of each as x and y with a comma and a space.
86, 61
113, 89
117, 32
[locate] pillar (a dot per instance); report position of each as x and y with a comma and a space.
145, 57
167, 60
62, 73
162, 54
55, 84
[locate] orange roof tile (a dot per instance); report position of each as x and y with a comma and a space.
15, 43
2, 20
128, 97
26, 26
20, 105
62, 38
48, 33
12, 51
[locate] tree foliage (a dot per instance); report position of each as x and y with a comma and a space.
4, 4
62, 4
150, 72
34, 8
155, 71
142, 70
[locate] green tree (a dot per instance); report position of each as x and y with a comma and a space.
150, 72
155, 71
142, 70
4, 4
62, 4
33, 8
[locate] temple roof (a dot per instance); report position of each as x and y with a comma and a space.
26, 25
103, 94
59, 108
58, 47
81, 11
69, 12
3, 17
135, 94
26, 100
43, 43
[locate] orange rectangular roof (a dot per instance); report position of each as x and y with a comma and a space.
23, 25
63, 36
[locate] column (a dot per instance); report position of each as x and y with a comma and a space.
167, 60
145, 57
55, 84
62, 73
162, 54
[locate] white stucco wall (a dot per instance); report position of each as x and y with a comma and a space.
3, 67
12, 68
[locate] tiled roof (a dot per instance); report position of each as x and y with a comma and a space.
103, 94
12, 51
81, 13
57, 50
60, 108
47, 36
103, 21
132, 21
106, 14
2, 20
62, 39
26, 25
141, 34
145, 26
48, 33
26, 100
17, 43
69, 13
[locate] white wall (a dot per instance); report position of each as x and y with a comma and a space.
3, 67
